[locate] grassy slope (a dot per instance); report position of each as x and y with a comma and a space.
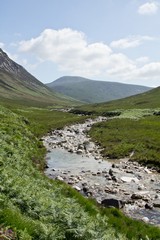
36, 206
16, 89
121, 137
39, 208
150, 99
94, 91
129, 133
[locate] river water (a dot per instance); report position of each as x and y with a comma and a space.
73, 158
65, 161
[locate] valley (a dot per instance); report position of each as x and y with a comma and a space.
60, 165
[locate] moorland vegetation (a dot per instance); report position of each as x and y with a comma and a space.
32, 206
35, 207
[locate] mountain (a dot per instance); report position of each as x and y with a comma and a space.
92, 91
18, 85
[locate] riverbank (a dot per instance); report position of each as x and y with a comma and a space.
120, 183
35, 207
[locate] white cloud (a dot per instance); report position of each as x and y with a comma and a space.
57, 45
70, 51
149, 71
149, 8
130, 42
142, 60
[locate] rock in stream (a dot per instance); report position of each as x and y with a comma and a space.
72, 157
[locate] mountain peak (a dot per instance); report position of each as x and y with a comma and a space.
7, 64
2, 52
18, 84
16, 70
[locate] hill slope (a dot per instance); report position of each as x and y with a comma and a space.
92, 91
16, 84
150, 99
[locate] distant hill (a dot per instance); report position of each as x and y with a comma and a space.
150, 99
18, 85
91, 91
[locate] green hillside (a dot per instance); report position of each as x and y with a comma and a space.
91, 91
150, 99
14, 90
134, 127
19, 86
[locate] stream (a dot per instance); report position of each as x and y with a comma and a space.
73, 158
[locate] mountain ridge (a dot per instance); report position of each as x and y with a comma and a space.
94, 91
8, 65
17, 84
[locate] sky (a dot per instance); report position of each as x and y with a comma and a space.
109, 40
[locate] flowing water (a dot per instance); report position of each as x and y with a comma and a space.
63, 160
95, 177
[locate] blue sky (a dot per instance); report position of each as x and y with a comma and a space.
108, 40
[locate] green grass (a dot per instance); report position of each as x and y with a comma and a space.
36, 207
44, 120
120, 137
132, 130
24, 89
147, 100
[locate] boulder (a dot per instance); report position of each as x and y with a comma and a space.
94, 174
79, 151
114, 178
85, 189
136, 196
111, 202
77, 188
80, 146
110, 172
148, 206
141, 195
108, 177
147, 170
141, 187
129, 179
145, 219
59, 178
156, 203
111, 190
89, 194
